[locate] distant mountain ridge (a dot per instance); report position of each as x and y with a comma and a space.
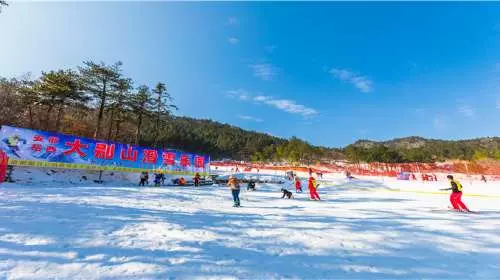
413, 142
415, 148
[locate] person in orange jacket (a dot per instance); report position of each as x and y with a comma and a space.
313, 186
182, 181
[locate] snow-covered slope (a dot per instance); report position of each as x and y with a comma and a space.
59, 226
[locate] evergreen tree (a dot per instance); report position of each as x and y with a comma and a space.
117, 109
163, 106
57, 89
28, 97
142, 105
99, 80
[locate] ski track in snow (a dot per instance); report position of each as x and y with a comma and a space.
56, 226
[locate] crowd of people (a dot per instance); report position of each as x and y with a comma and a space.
234, 185
159, 179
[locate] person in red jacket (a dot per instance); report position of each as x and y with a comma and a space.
313, 186
196, 179
298, 185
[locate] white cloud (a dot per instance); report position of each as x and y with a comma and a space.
233, 41
271, 48
467, 111
249, 118
286, 105
264, 71
233, 21
261, 98
360, 82
238, 93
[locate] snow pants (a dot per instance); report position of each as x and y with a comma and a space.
313, 193
236, 197
456, 201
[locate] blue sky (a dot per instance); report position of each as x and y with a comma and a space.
330, 73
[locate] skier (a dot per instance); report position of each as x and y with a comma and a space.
157, 180
456, 195
298, 185
483, 178
196, 179
234, 185
251, 185
143, 178
313, 186
162, 178
182, 181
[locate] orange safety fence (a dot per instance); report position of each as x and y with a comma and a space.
419, 171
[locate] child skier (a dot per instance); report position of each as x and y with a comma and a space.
234, 185
313, 188
251, 185
298, 185
456, 195
197, 179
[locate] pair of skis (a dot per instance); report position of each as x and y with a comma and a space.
450, 209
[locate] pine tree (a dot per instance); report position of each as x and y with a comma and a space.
28, 98
118, 105
142, 104
56, 89
163, 106
99, 80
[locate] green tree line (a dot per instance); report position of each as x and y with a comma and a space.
97, 100
416, 149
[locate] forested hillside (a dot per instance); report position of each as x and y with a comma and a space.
418, 149
96, 100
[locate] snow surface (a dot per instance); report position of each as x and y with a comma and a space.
55, 225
